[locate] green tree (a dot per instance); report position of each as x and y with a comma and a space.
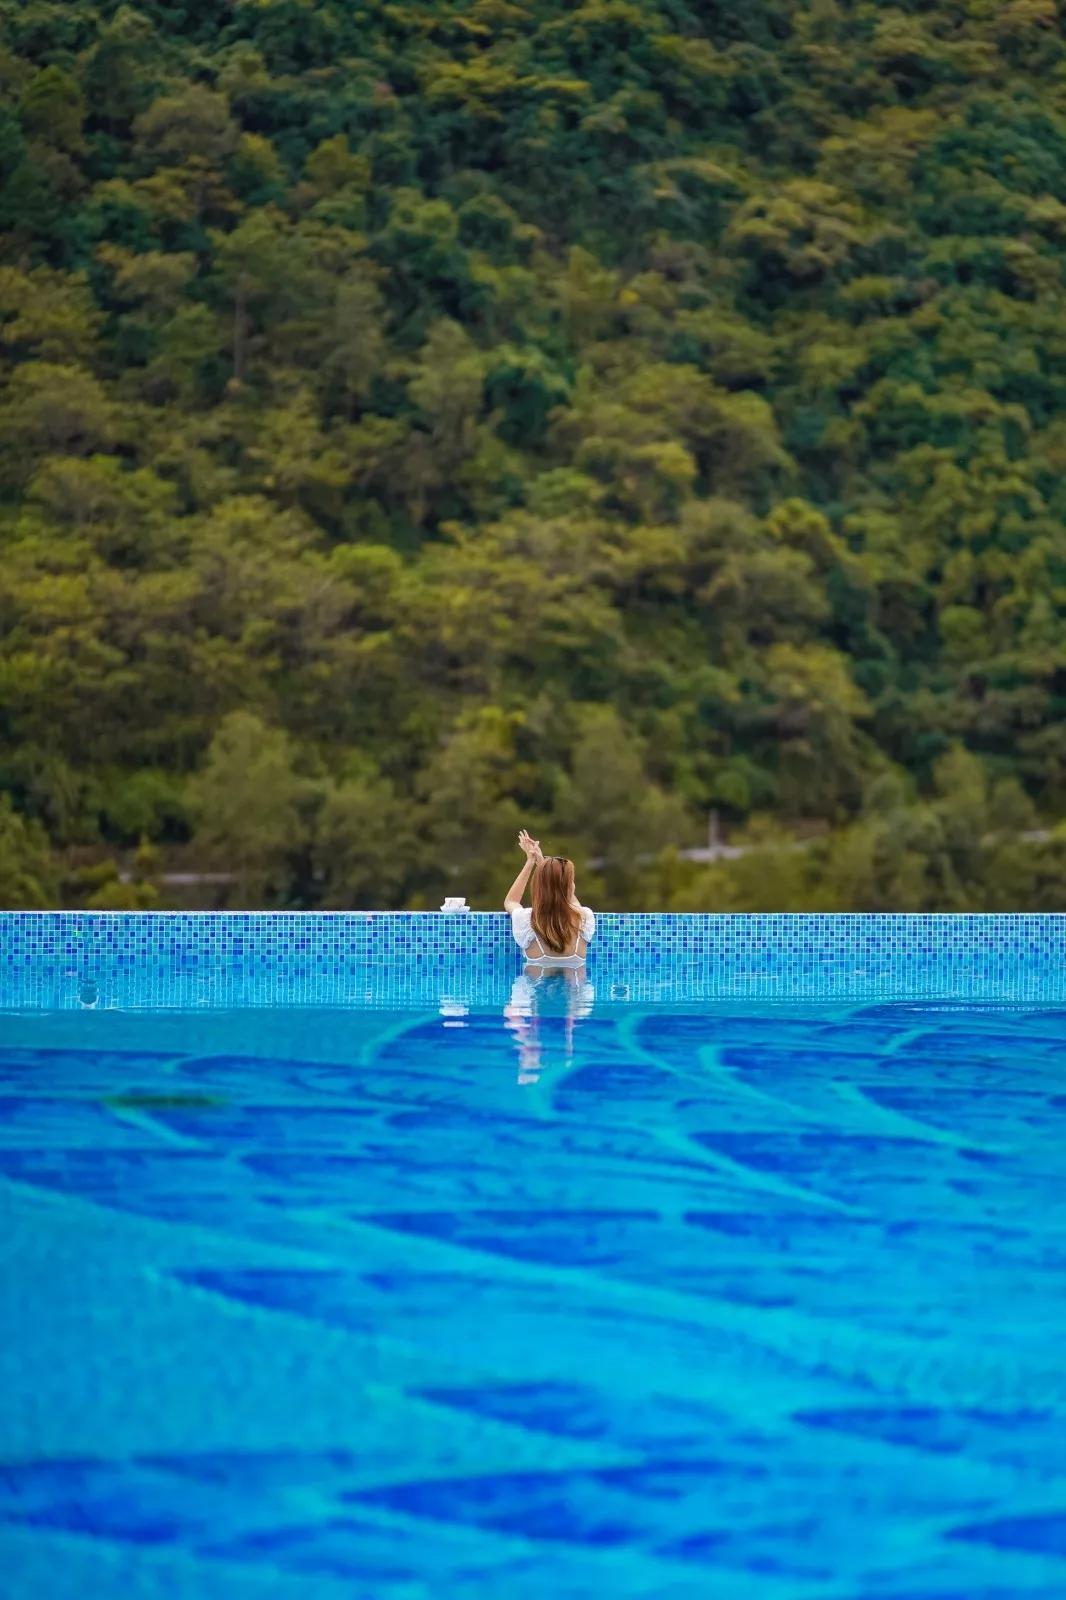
363, 843
515, 407
247, 804
28, 878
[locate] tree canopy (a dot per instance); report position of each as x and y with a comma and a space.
416, 420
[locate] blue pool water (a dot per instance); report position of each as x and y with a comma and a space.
558, 1295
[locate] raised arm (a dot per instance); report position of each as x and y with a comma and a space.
531, 847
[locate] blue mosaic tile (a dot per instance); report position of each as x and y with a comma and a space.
62, 960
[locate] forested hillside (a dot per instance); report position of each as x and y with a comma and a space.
421, 418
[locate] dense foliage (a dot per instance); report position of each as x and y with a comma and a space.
420, 417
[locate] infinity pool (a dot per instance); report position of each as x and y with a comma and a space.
564, 1296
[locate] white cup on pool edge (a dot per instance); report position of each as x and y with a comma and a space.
455, 902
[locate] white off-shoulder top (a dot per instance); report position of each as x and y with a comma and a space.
522, 928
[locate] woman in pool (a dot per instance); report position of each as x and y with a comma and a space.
558, 929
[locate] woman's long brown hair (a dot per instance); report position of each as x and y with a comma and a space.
556, 922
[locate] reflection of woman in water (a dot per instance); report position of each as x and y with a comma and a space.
557, 928
545, 1004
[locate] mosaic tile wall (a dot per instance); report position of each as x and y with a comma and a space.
132, 960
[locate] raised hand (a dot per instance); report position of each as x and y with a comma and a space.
529, 846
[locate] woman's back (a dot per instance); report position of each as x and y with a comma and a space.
557, 929
536, 948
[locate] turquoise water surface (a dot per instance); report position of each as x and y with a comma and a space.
562, 1296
